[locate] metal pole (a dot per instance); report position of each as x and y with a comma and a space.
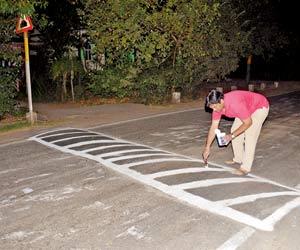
28, 81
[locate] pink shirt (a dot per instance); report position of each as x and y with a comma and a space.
241, 104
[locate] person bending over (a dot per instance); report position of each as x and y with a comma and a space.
250, 111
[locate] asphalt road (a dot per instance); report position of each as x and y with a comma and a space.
141, 184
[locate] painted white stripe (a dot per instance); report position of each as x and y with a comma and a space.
78, 144
282, 211
184, 171
254, 197
105, 147
179, 193
213, 182
260, 178
128, 157
242, 236
120, 152
74, 137
58, 130
238, 239
145, 118
67, 133
68, 136
129, 165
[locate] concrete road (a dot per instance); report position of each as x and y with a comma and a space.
141, 184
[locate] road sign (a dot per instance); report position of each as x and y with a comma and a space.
24, 24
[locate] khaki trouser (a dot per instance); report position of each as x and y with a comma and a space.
244, 145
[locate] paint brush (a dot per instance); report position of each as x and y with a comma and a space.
205, 163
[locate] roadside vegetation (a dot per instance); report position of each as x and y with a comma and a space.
137, 50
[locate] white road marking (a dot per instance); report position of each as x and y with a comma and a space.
254, 197
129, 165
242, 236
128, 157
238, 239
120, 152
213, 182
178, 191
73, 137
79, 144
184, 171
282, 211
105, 147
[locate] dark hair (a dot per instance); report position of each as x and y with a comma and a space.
214, 97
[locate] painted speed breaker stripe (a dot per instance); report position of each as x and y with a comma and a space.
128, 158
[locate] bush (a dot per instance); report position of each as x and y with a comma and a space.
7, 90
113, 82
152, 88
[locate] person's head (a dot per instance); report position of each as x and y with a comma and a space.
215, 100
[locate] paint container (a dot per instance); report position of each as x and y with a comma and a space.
221, 138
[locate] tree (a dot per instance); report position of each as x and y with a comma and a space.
63, 67
184, 40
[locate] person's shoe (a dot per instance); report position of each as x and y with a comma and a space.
240, 171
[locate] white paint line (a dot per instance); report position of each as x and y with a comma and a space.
184, 171
68, 134
120, 152
105, 147
213, 182
179, 193
74, 137
238, 239
258, 177
78, 144
254, 197
242, 236
145, 118
129, 165
60, 132
128, 157
282, 211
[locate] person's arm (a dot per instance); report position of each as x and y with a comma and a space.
210, 138
241, 129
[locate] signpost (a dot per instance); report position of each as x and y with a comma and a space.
24, 24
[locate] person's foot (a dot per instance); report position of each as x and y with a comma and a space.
231, 162
240, 171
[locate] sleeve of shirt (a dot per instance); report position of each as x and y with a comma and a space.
216, 115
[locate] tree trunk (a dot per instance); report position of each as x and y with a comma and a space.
249, 61
72, 86
64, 87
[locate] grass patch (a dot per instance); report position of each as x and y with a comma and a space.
14, 126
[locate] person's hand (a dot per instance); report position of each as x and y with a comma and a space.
205, 154
228, 138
